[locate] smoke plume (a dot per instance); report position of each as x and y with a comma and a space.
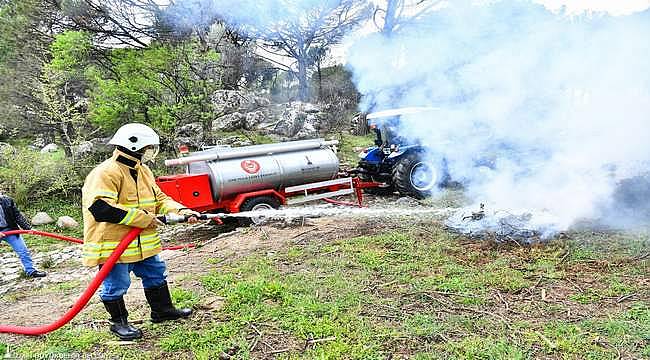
558, 104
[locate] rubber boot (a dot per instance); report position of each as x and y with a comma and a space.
162, 308
119, 320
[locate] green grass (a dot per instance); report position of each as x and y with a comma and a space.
67, 340
413, 291
349, 146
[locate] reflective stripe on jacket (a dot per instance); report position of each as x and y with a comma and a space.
141, 199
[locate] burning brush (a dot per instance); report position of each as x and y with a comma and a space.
503, 226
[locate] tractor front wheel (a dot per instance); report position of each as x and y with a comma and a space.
416, 177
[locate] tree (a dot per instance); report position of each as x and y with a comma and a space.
115, 23
396, 14
62, 88
309, 32
164, 85
26, 29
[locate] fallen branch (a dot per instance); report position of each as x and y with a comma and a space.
625, 297
548, 342
312, 342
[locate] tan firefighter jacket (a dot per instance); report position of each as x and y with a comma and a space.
112, 182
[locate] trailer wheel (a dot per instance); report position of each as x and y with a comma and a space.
258, 203
416, 177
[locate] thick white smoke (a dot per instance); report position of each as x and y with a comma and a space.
244, 14
560, 103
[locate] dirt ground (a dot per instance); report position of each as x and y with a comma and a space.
558, 284
36, 304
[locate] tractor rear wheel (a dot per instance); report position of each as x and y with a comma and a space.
258, 203
416, 177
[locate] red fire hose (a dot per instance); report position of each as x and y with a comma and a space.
90, 290
78, 241
83, 299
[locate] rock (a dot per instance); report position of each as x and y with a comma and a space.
66, 222
191, 130
234, 141
39, 142
253, 119
191, 135
229, 101
288, 121
299, 121
92, 148
49, 148
310, 108
42, 218
230, 122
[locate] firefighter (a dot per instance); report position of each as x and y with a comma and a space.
118, 194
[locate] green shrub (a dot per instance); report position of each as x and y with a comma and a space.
29, 175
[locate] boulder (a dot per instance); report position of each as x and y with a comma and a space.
66, 222
190, 134
286, 121
42, 218
39, 142
310, 108
229, 101
191, 129
49, 148
234, 141
253, 119
299, 121
230, 122
95, 148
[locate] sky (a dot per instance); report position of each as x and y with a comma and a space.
614, 7
571, 7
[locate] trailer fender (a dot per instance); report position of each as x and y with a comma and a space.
236, 204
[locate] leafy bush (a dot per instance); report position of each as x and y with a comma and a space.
29, 175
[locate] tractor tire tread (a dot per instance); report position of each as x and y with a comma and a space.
402, 177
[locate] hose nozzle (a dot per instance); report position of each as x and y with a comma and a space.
171, 218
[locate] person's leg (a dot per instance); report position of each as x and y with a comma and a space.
152, 271
18, 244
116, 283
114, 287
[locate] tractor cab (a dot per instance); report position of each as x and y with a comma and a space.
402, 164
387, 134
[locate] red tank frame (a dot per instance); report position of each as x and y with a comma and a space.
195, 192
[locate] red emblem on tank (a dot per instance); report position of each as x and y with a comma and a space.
250, 166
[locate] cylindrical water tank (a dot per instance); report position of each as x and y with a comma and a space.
261, 167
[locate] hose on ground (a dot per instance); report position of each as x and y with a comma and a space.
90, 290
83, 299
78, 241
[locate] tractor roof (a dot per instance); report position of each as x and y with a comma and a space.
399, 111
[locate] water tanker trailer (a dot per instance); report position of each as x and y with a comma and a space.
259, 177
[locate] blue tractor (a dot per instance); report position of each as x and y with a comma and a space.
402, 165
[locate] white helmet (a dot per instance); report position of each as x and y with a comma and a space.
135, 136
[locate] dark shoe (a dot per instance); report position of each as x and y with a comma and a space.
162, 308
119, 320
37, 274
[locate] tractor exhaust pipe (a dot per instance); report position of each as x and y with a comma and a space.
251, 151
